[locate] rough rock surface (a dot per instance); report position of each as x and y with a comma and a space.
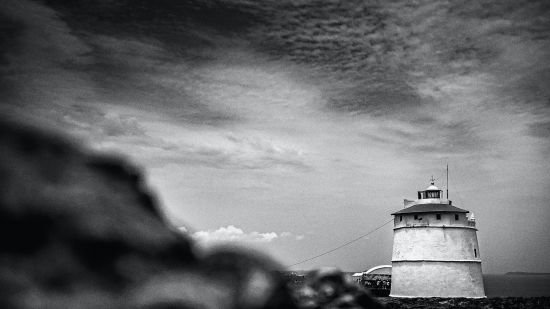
467, 303
80, 230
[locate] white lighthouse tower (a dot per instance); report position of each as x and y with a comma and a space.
435, 249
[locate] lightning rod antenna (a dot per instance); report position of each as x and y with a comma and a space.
447, 181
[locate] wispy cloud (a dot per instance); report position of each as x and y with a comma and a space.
225, 152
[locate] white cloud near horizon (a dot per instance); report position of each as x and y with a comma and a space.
232, 233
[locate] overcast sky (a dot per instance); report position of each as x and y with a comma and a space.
295, 126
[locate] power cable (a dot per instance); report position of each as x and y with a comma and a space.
341, 246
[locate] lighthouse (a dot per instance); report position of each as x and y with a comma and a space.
435, 249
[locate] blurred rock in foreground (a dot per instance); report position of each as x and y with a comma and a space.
79, 230
331, 288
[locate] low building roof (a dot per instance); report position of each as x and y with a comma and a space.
380, 269
423, 208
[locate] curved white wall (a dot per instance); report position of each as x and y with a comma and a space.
437, 279
435, 243
435, 257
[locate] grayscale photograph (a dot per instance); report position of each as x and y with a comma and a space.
262, 154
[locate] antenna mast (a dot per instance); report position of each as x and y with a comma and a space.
447, 181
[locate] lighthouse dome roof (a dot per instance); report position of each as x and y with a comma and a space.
432, 187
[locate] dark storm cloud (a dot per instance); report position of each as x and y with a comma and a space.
353, 47
98, 52
540, 129
432, 138
368, 48
367, 57
178, 24
375, 96
36, 49
10, 29
349, 39
376, 49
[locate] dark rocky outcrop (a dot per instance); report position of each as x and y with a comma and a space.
467, 303
80, 230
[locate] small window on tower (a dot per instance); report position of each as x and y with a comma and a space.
400, 218
456, 217
415, 217
475, 252
438, 216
